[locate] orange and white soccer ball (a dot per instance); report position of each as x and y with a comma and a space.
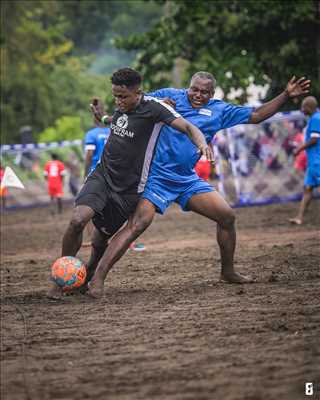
68, 272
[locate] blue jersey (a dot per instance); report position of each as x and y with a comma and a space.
313, 130
95, 140
176, 155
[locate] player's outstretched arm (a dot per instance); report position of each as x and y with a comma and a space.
295, 87
195, 135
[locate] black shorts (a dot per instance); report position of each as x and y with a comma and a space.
111, 209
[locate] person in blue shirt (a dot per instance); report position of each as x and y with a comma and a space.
94, 142
311, 145
172, 177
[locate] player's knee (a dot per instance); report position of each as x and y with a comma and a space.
229, 219
99, 243
140, 224
78, 222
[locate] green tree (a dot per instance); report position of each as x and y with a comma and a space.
238, 41
48, 49
40, 78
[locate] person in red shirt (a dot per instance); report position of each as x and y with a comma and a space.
54, 172
300, 162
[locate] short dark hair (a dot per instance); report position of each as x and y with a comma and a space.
126, 77
54, 156
205, 75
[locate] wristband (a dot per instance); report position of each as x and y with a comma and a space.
104, 118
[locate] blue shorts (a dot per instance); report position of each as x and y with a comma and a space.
163, 192
312, 176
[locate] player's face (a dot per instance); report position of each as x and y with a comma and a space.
200, 92
126, 99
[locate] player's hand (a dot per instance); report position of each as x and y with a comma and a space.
297, 87
170, 102
97, 108
206, 151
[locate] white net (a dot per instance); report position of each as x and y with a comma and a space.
255, 163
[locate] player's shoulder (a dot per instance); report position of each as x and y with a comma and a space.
316, 116
91, 134
175, 92
92, 131
154, 102
172, 93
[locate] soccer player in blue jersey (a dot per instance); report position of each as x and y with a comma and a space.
172, 177
311, 145
94, 142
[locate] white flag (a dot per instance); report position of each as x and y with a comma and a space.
10, 179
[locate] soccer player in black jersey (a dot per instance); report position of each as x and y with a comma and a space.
111, 192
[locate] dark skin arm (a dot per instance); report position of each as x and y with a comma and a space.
306, 145
295, 88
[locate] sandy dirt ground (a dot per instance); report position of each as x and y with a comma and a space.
166, 327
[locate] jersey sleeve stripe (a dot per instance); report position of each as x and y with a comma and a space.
148, 156
89, 147
171, 109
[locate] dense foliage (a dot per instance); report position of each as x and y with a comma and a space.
238, 41
55, 55
48, 52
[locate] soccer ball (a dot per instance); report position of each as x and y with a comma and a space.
68, 272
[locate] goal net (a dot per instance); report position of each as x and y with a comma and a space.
255, 163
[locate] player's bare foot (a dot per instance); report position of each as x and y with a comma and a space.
234, 277
55, 292
95, 290
295, 221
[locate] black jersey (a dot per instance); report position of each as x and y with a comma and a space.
127, 156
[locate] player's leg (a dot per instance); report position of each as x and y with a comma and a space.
59, 205
99, 245
213, 206
90, 202
120, 243
72, 241
311, 181
52, 205
72, 238
88, 233
306, 199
